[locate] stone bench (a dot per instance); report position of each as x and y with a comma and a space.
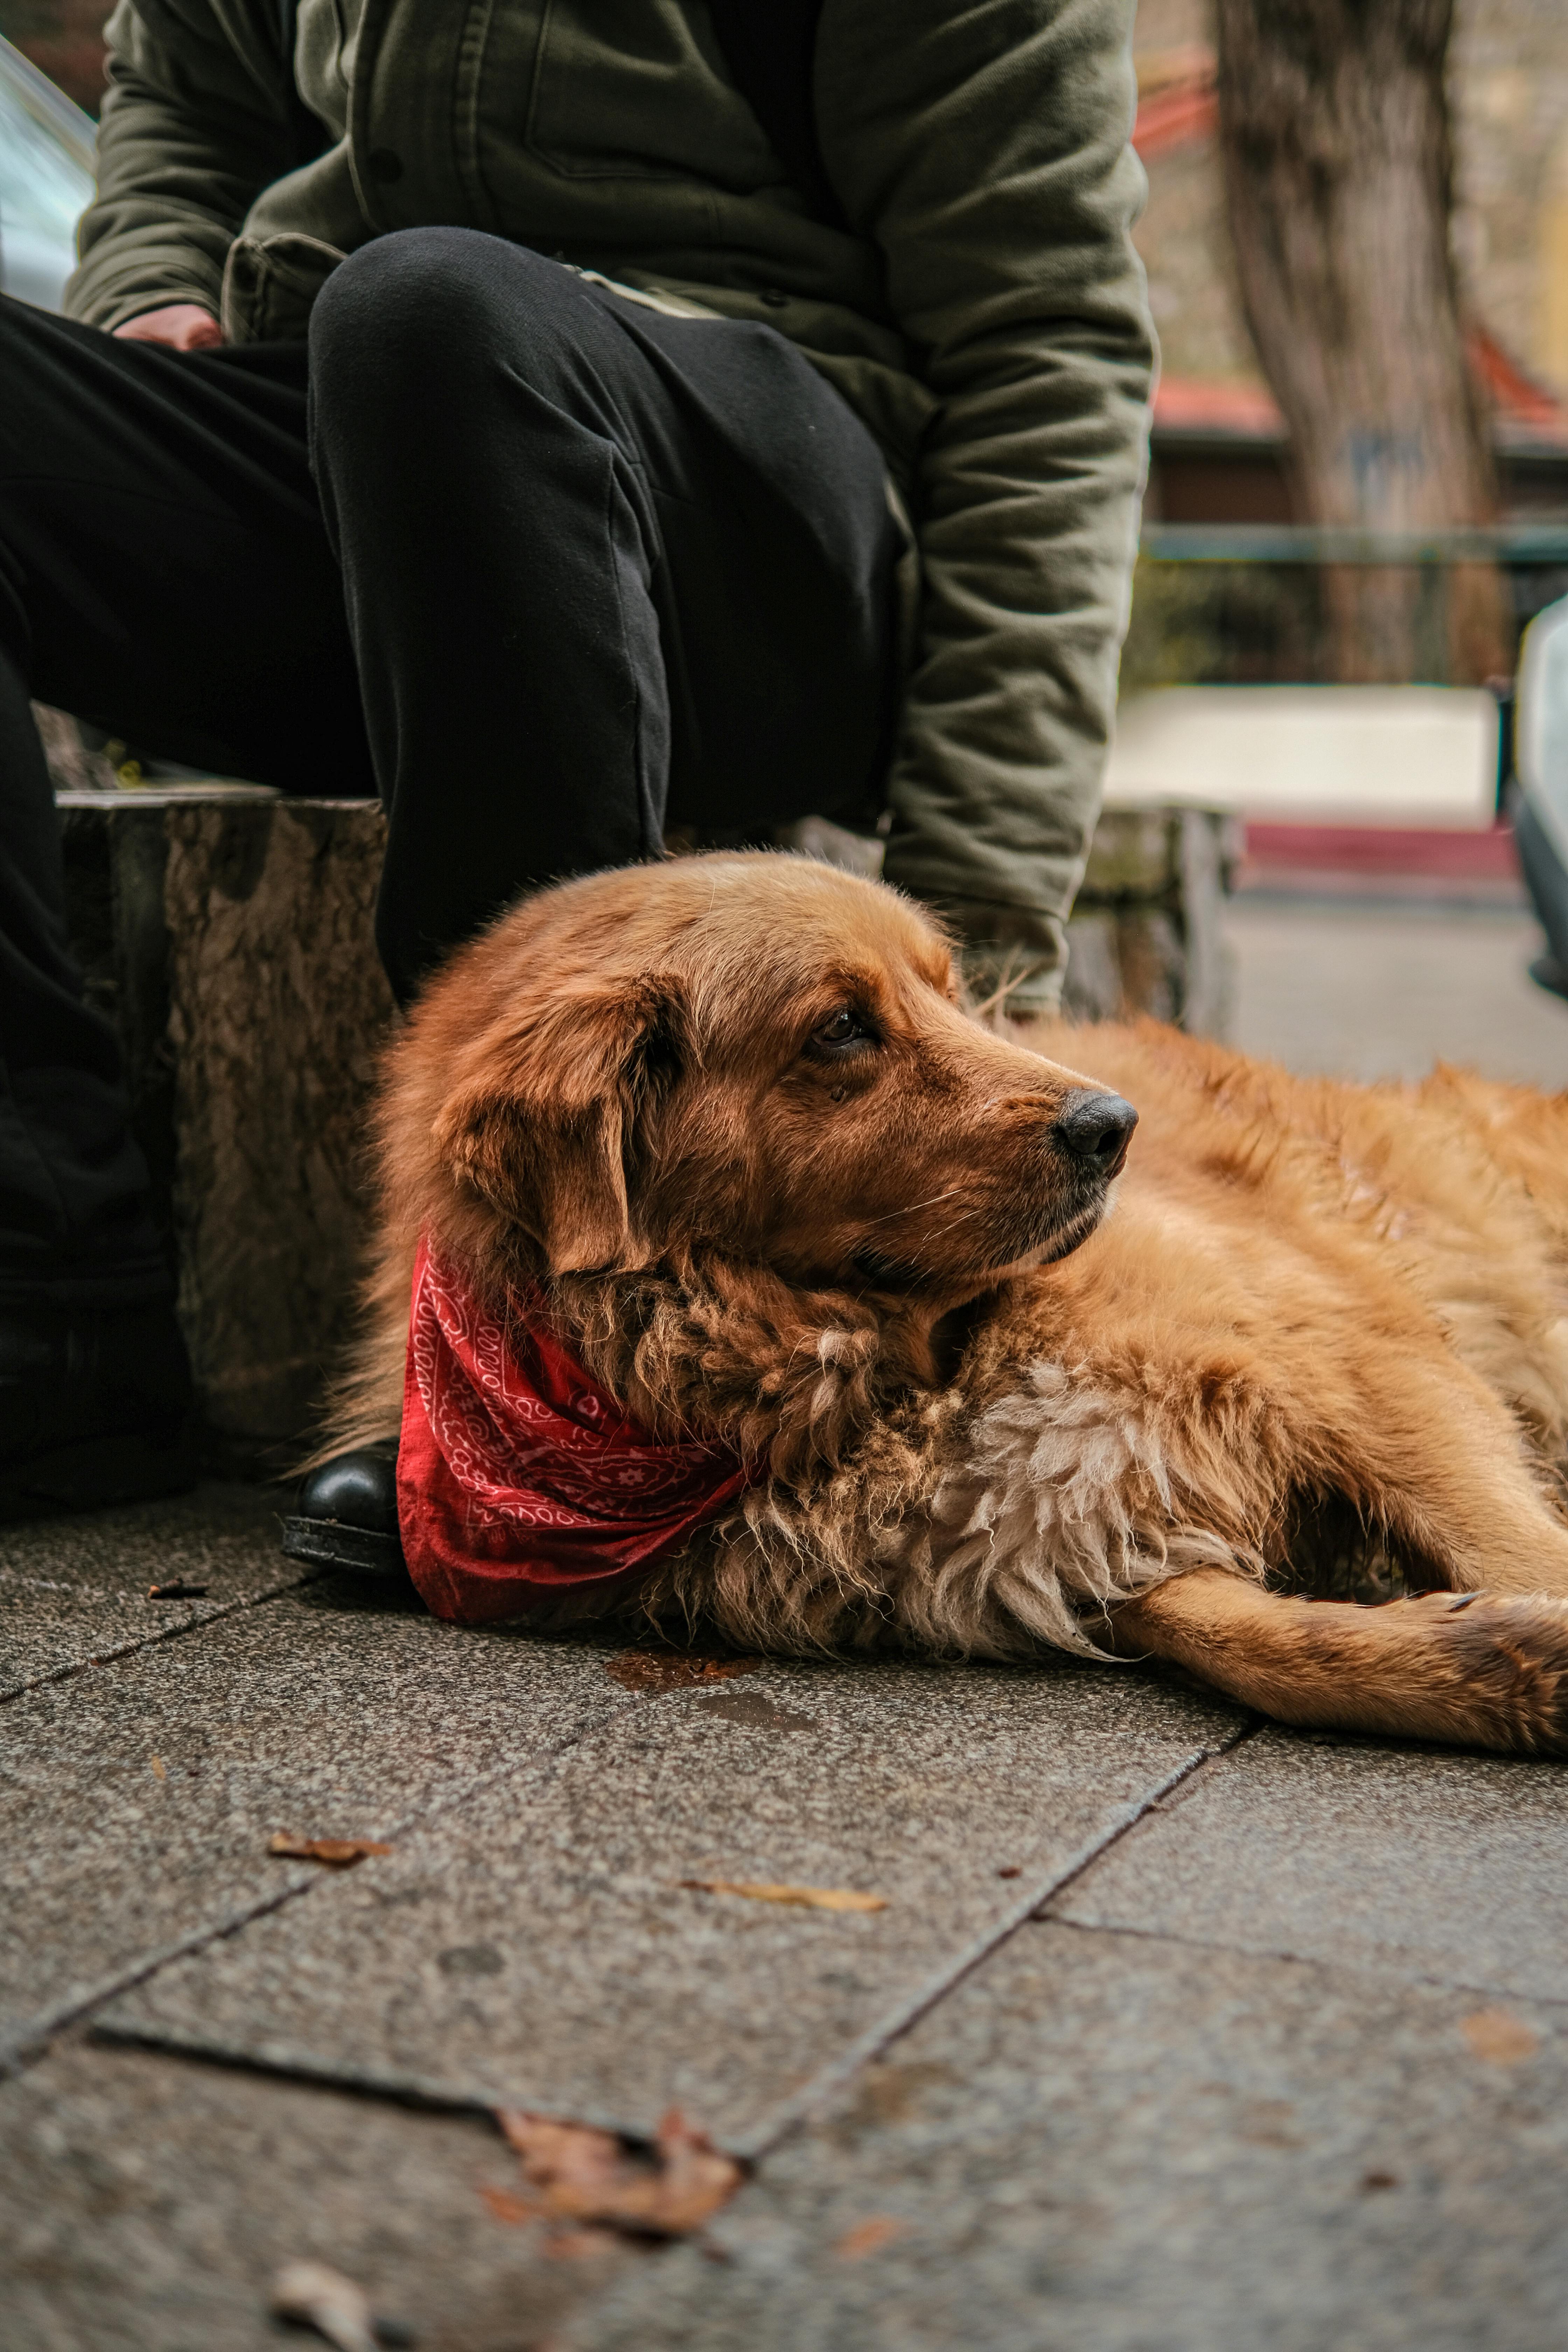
227, 932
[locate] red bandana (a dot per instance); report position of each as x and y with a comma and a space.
517, 1476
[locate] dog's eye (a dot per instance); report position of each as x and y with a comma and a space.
846, 1028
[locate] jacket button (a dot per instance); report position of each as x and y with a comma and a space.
383, 165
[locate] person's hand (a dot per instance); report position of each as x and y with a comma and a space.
183, 326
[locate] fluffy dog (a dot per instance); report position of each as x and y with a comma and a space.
726, 1123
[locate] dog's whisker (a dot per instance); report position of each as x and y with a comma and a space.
912, 1208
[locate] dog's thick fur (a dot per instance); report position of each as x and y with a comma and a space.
727, 1118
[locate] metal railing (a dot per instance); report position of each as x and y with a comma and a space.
1510, 545
1236, 604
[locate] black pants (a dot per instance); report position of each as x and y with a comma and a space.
547, 569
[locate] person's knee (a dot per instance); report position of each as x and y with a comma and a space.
412, 317
401, 308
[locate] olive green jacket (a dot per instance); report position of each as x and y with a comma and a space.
983, 310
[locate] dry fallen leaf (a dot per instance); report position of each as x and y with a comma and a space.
866, 2237
1499, 2037
810, 1898
579, 2245
336, 1853
587, 2176
668, 1670
313, 2295
507, 2206
565, 2243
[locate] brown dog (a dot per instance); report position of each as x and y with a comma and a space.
728, 1120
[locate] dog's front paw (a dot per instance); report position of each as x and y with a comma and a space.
1507, 1657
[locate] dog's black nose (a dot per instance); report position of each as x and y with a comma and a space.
1096, 1128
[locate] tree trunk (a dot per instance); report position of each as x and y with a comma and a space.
1338, 165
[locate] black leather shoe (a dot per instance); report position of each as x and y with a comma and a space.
347, 1513
95, 1407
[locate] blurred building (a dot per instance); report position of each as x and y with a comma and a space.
1219, 439
64, 39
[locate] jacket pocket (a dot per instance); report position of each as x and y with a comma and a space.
627, 89
269, 285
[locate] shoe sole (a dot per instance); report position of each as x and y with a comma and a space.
334, 1543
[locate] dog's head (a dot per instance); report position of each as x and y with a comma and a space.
755, 1058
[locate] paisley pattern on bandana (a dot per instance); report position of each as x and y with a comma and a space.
518, 1477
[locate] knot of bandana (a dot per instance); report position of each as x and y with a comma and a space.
518, 1477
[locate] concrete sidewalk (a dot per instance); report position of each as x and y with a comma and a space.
1382, 988
1177, 2030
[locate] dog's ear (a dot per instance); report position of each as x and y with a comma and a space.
543, 1119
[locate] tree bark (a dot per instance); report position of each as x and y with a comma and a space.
229, 938
1338, 168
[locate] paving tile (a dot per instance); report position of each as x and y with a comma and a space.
1409, 1860
536, 1946
146, 2205
1103, 2143
74, 1589
137, 1798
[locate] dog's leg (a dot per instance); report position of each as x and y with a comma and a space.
1474, 1669
1481, 1518
1483, 1662
1443, 1462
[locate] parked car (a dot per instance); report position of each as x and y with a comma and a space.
47, 172
1540, 806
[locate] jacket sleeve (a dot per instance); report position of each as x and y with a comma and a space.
985, 148
191, 131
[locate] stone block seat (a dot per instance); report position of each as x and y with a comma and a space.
226, 930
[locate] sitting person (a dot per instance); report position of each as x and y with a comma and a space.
586, 424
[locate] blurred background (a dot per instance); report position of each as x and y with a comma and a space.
64, 38
1357, 245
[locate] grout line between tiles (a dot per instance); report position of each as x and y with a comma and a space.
150, 1641
24, 2047
478, 2096
1439, 1983
26, 2043
752, 2147
439, 2094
